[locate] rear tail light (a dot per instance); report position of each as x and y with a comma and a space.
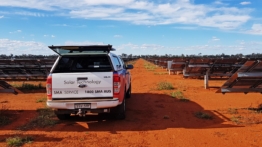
116, 84
49, 87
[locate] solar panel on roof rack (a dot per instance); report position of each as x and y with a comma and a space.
248, 78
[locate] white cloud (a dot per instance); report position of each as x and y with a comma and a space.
256, 29
2, 16
186, 27
17, 47
61, 25
218, 3
244, 47
52, 36
142, 12
118, 36
148, 49
24, 13
245, 3
69, 25
215, 38
83, 43
97, 12
17, 31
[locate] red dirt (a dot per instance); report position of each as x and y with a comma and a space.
154, 118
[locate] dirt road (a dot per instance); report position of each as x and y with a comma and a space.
154, 117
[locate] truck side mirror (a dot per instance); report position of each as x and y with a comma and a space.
129, 66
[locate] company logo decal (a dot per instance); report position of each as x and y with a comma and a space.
84, 80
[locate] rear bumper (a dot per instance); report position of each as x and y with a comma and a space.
59, 104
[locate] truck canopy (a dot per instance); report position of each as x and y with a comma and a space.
83, 63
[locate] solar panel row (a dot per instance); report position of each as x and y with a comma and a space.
6, 88
25, 69
248, 78
245, 73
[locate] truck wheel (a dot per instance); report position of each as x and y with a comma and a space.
120, 110
128, 93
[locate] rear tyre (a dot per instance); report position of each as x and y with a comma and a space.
119, 112
128, 93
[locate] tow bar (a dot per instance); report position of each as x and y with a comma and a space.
81, 113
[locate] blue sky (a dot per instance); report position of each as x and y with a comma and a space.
137, 27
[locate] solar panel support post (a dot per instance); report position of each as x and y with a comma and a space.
169, 64
206, 78
184, 71
156, 62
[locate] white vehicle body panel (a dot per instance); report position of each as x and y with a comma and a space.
94, 104
82, 85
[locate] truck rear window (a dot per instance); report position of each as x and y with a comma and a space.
83, 64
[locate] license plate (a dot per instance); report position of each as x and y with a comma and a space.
79, 106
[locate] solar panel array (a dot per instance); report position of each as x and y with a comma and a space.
195, 67
248, 78
214, 67
178, 64
245, 74
25, 69
6, 88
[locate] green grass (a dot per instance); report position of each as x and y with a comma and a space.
41, 100
232, 111
160, 73
149, 67
179, 95
18, 141
45, 118
27, 86
164, 86
203, 115
236, 119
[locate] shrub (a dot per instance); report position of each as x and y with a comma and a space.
164, 86
44, 118
18, 141
27, 86
41, 100
203, 115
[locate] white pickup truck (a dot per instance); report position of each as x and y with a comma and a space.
88, 79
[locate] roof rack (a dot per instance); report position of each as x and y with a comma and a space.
81, 48
107, 48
